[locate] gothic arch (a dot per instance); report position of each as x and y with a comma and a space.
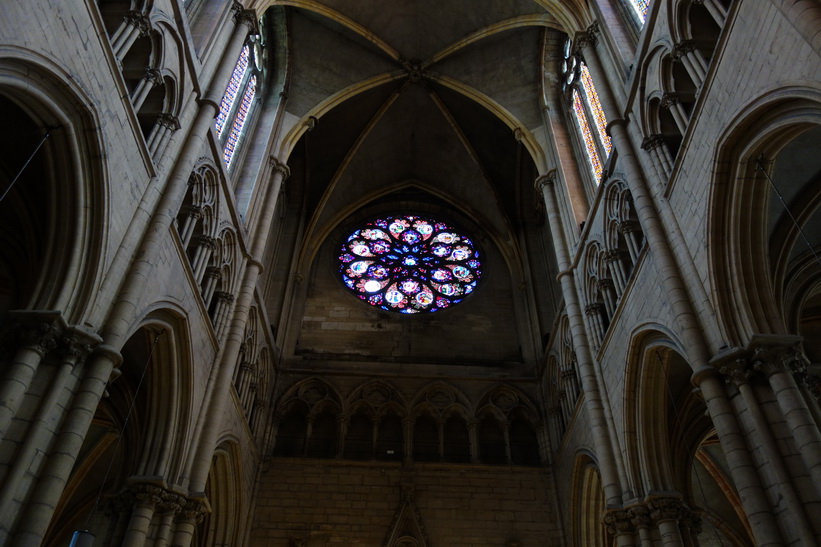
224, 525
587, 503
69, 186
748, 282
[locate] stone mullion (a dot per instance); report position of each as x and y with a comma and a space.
630, 231
440, 432
166, 125
342, 424
243, 380
205, 248
609, 465
506, 435
150, 80
605, 287
135, 25
97, 371
686, 53
715, 8
739, 372
594, 323
213, 275
38, 338
615, 266
407, 432
223, 310
192, 215
778, 364
671, 102
309, 430
659, 156
473, 435
39, 437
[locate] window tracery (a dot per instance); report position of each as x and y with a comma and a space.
239, 100
590, 121
640, 9
409, 264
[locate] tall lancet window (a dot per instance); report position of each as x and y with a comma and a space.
588, 115
639, 9
239, 101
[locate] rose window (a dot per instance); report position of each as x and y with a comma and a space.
409, 264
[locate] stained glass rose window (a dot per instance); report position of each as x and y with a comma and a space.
409, 264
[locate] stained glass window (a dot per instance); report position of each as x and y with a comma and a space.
587, 136
409, 264
239, 121
640, 7
593, 103
231, 92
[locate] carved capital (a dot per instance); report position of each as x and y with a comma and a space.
245, 17
224, 296
592, 309
279, 167
206, 241
148, 495
667, 508
75, 347
629, 226
681, 49
194, 511
613, 255
651, 142
212, 272
605, 284
153, 75
772, 359
669, 99
588, 38
169, 121
640, 516
40, 337
618, 522
546, 180
139, 20
736, 371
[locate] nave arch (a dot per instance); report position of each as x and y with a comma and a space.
59, 200
759, 257
674, 460
139, 437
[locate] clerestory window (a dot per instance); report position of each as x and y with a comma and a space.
639, 9
589, 118
238, 102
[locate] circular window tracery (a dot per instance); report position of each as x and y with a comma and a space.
409, 264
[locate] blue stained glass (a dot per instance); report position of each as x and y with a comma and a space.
413, 264
231, 92
640, 7
239, 121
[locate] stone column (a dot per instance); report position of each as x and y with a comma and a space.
191, 514
192, 214
666, 513
608, 466
74, 346
473, 435
619, 524
716, 9
166, 125
506, 435
685, 52
739, 371
659, 155
640, 518
671, 102
57, 469
779, 357
151, 79
146, 499
342, 422
205, 247
169, 506
135, 25
38, 335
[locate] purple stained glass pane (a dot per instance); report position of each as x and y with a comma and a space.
239, 121
231, 92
